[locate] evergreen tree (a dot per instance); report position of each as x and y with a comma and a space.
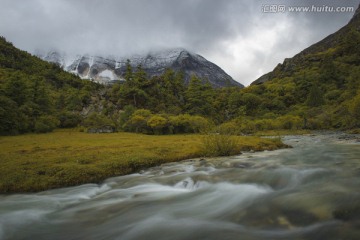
199, 97
140, 78
315, 97
16, 89
128, 73
40, 96
9, 116
193, 96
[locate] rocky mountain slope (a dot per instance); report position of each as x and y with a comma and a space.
316, 53
108, 69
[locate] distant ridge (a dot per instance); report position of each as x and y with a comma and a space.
107, 69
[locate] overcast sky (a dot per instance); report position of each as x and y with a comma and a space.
237, 35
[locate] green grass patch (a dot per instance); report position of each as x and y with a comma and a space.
36, 162
354, 131
282, 132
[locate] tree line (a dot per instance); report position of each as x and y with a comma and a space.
36, 96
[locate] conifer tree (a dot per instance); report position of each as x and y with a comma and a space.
315, 97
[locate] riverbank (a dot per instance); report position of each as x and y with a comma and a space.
37, 162
310, 191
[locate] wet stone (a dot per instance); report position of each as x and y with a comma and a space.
300, 217
348, 213
242, 165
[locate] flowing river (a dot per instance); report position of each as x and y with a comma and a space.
310, 191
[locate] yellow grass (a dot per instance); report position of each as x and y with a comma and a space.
282, 132
37, 162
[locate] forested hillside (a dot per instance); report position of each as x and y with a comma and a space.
36, 96
319, 86
317, 89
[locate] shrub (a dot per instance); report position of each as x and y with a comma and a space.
354, 109
46, 124
157, 124
219, 145
125, 115
136, 124
248, 127
313, 123
229, 128
180, 123
199, 124
97, 120
185, 123
69, 119
289, 122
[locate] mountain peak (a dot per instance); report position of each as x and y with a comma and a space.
105, 69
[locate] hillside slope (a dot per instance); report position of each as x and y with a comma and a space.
319, 87
329, 47
36, 96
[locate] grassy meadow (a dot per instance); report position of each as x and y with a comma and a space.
36, 162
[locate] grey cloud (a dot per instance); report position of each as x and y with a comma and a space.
123, 25
208, 27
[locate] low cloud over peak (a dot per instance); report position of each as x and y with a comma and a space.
237, 35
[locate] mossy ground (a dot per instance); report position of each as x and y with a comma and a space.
36, 162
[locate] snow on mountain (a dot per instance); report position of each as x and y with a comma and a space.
109, 69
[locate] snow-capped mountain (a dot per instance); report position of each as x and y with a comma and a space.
109, 69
